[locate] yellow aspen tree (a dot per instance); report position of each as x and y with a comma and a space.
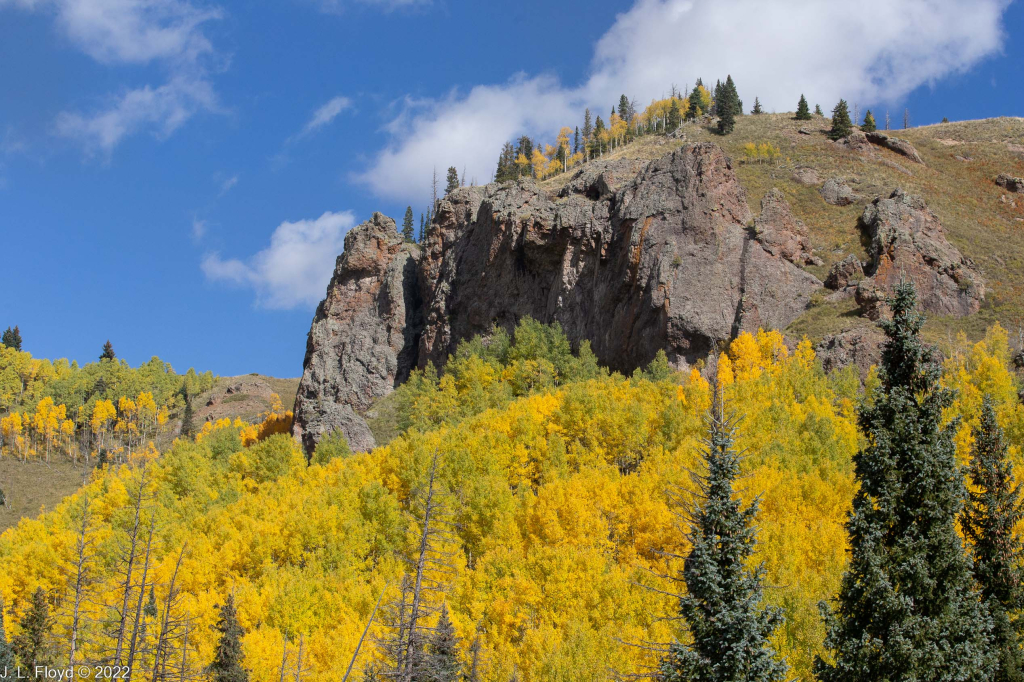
103, 413
127, 423
11, 428
146, 411
563, 143
539, 163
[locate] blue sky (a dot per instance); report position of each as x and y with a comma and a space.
177, 175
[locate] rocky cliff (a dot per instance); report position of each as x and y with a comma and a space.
634, 257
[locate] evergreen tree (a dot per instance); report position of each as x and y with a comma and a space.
188, 427
757, 107
674, 117
728, 107
407, 225
869, 123
453, 180
908, 608
722, 604
108, 351
841, 124
624, 108
993, 510
12, 338
32, 646
506, 164
717, 97
803, 113
694, 109
422, 224
598, 129
227, 659
442, 659
524, 148
576, 141
817, 110
7, 662
588, 127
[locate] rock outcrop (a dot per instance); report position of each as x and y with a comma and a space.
901, 147
844, 273
908, 241
780, 233
1010, 183
837, 192
634, 257
858, 347
364, 336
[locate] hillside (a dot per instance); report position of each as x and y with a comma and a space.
32, 481
956, 181
679, 243
559, 482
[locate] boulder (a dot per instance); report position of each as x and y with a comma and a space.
901, 147
844, 273
806, 176
1010, 183
780, 233
837, 192
861, 348
907, 240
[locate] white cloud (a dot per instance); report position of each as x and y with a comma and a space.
774, 50
295, 269
226, 186
198, 229
113, 32
162, 110
325, 114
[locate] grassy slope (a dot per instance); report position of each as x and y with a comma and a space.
961, 193
32, 486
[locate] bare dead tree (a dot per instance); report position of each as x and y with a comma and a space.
298, 659
139, 624
128, 557
170, 623
906, 118
430, 573
80, 577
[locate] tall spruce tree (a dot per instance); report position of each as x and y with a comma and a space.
869, 125
422, 225
674, 117
757, 107
623, 108
188, 427
841, 124
588, 127
817, 110
32, 645
7, 662
803, 112
722, 605
227, 659
993, 510
728, 107
108, 351
407, 225
12, 338
908, 607
695, 102
453, 180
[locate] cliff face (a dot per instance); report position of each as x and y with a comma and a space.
364, 335
634, 262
